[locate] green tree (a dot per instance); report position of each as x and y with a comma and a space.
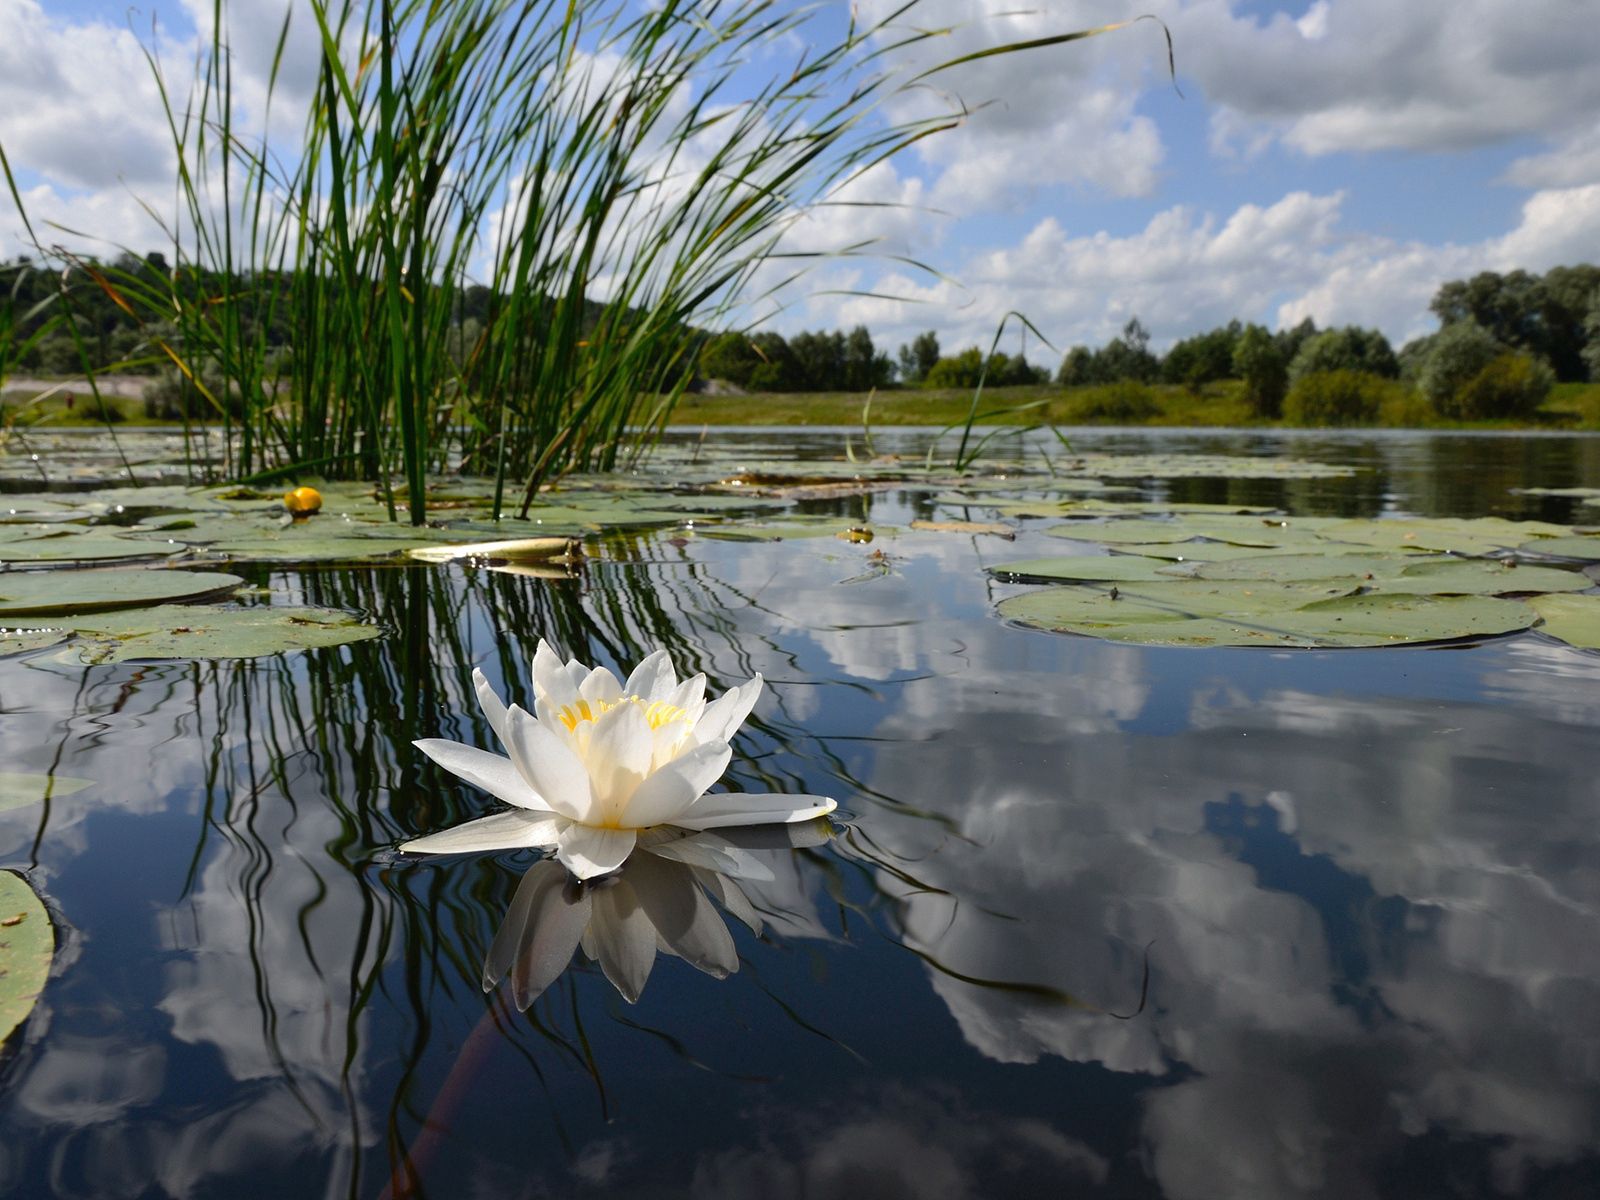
1259, 363
1350, 348
1128, 356
917, 359
1290, 340
730, 357
1203, 358
962, 370
1078, 368
1458, 352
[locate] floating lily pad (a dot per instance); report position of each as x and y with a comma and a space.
31, 593
1477, 577
19, 641
1097, 507
1573, 619
90, 545
1270, 614
1481, 535
1204, 466
1357, 566
1301, 533
1572, 546
968, 527
1192, 551
19, 790
27, 944
782, 529
191, 631
1108, 568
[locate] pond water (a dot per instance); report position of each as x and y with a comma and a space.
1096, 920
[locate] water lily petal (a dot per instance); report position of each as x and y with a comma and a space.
549, 765
601, 685
493, 707
494, 773
498, 831
723, 716
588, 850
553, 685
618, 758
622, 939
671, 790
541, 929
686, 922
721, 809
690, 695
652, 679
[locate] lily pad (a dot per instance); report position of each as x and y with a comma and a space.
1573, 619
19, 641
31, 593
783, 528
90, 545
191, 631
1271, 614
1204, 466
1572, 546
1357, 566
1482, 535
1107, 568
27, 944
1477, 577
1264, 532
19, 790
968, 527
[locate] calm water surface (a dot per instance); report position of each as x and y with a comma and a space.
1355, 893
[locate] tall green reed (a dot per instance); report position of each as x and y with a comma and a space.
595, 180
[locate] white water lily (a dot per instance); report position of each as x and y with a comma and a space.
598, 760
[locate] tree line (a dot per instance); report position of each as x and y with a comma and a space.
1526, 330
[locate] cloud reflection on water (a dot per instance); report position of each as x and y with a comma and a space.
1361, 939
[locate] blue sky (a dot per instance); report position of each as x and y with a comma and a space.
1337, 159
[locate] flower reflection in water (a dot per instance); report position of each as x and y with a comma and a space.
660, 900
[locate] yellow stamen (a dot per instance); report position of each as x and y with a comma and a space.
656, 712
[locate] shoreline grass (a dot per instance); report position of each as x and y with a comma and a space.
1571, 406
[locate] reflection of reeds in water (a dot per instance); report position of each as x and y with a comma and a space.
310, 778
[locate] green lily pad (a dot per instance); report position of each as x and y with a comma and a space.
1361, 568
1572, 546
1107, 568
19, 790
1477, 577
1203, 466
1481, 535
91, 545
27, 944
784, 528
1573, 619
1193, 552
1269, 614
1417, 574
197, 631
1264, 532
19, 641
30, 593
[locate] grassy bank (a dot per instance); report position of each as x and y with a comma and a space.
1570, 406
